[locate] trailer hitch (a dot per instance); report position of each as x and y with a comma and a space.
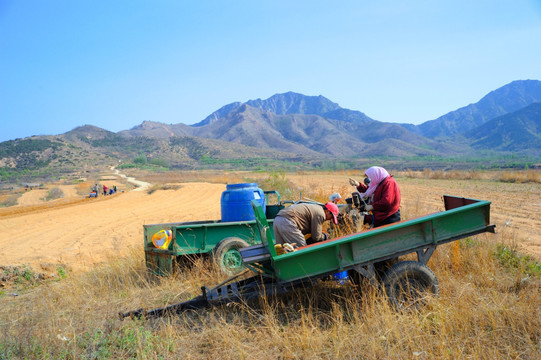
226, 291
196, 303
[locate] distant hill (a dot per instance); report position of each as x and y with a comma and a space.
159, 143
509, 98
309, 125
316, 126
223, 111
254, 127
47, 157
293, 103
159, 130
518, 131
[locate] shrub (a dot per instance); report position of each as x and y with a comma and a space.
160, 162
10, 200
54, 193
511, 259
277, 181
140, 160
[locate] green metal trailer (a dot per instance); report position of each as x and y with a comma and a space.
406, 283
221, 240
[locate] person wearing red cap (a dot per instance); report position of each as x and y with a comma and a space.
294, 222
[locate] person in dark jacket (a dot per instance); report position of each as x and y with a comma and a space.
382, 190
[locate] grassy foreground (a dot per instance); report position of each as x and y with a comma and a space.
489, 308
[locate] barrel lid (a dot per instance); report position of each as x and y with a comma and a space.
240, 186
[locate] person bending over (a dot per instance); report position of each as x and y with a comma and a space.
294, 222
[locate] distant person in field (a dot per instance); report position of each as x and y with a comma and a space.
104, 190
335, 198
294, 222
380, 188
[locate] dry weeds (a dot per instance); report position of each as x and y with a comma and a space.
486, 310
512, 176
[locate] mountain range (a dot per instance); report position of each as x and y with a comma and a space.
300, 129
307, 125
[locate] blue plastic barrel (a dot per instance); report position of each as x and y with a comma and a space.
237, 201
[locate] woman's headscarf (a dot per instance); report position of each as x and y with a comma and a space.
377, 175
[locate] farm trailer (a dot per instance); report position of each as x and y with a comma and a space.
406, 283
220, 239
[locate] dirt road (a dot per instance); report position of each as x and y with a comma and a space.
85, 233
140, 185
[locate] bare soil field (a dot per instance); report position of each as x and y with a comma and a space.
80, 233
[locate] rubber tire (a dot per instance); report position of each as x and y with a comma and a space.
407, 282
227, 256
380, 269
383, 266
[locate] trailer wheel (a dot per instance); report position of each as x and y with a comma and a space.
408, 283
227, 256
382, 267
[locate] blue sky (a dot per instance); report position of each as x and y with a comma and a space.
114, 64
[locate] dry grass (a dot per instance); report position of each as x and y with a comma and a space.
484, 312
9, 199
54, 193
512, 176
489, 308
231, 177
157, 187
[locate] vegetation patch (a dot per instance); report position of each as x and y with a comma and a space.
9, 199
277, 180
14, 148
517, 262
141, 162
25, 277
54, 193
157, 187
114, 142
22, 276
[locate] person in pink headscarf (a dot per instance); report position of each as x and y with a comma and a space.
384, 196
